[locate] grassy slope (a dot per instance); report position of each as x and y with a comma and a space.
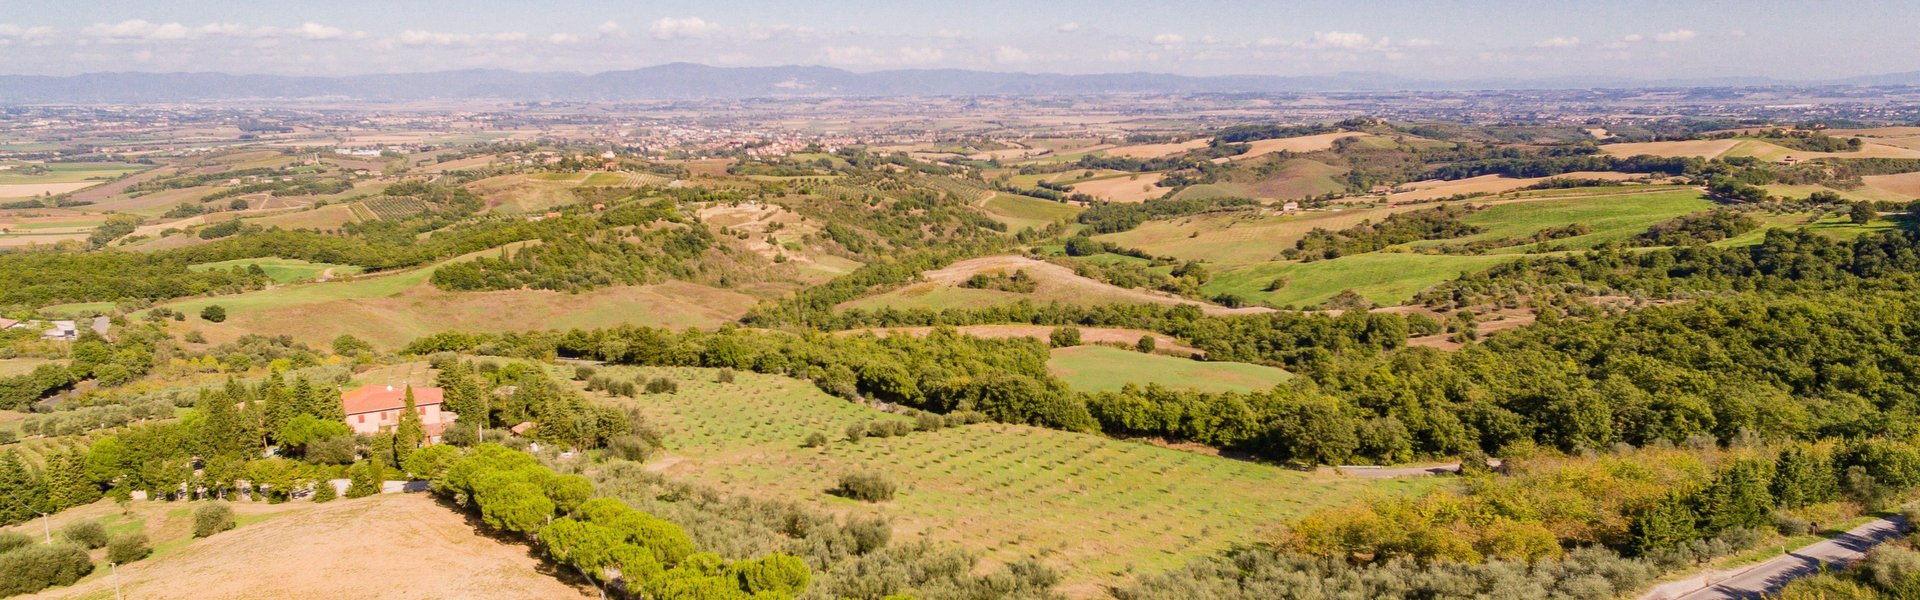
1096, 507
1105, 369
1020, 212
393, 309
282, 270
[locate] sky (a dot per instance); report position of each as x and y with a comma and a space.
1433, 39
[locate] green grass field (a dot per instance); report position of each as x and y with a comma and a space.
1099, 509
1611, 217
1384, 278
70, 173
1107, 369
1020, 212
282, 270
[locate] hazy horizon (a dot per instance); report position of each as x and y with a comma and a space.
1466, 40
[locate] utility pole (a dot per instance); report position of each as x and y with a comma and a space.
46, 526
114, 572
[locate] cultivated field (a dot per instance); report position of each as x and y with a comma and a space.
391, 546
1489, 184
1020, 212
1099, 509
1307, 143
1904, 185
1123, 188
1106, 369
1158, 150
395, 308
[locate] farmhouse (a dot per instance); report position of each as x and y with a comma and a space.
374, 409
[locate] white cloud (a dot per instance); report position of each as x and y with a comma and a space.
1559, 42
563, 38
1420, 43
611, 29
1169, 39
1678, 35
1633, 38
416, 37
670, 28
1325, 40
1008, 55
862, 55
777, 32
315, 31
16, 32
138, 29
1069, 27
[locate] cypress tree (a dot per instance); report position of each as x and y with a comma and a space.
410, 433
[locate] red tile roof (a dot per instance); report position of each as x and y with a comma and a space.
376, 398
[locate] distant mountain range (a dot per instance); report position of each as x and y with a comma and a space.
687, 81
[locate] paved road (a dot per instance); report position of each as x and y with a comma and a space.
1767, 577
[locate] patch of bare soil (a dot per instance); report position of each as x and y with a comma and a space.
397, 546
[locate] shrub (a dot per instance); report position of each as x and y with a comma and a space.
869, 534
927, 421
630, 447
856, 432
583, 373
725, 376
213, 518
880, 429
127, 547
814, 440
88, 534
365, 479
13, 539
195, 337
867, 486
38, 567
324, 491
1063, 337
214, 313
662, 385
1146, 344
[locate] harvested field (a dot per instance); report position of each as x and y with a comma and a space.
1158, 150
1904, 184
29, 190
332, 216
1434, 189
1309, 143
364, 548
1700, 148
1125, 188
